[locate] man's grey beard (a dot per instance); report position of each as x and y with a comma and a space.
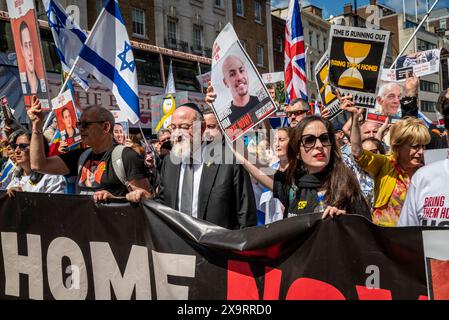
182, 149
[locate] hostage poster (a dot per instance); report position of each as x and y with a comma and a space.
418, 63
242, 98
357, 56
328, 98
64, 109
27, 43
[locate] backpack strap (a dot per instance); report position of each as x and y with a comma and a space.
81, 161
117, 165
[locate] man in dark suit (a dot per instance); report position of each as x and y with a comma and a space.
219, 193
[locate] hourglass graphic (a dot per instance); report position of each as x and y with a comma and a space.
324, 77
355, 53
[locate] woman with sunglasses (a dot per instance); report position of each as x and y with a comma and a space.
316, 172
392, 172
24, 178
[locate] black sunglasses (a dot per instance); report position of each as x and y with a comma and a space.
86, 124
309, 140
22, 146
296, 113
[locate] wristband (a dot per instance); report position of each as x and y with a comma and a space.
37, 131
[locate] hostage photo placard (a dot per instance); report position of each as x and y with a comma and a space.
356, 57
30, 59
328, 98
242, 98
419, 63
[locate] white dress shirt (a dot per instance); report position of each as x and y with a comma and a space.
197, 171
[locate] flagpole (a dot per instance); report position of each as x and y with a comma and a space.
416, 10
403, 11
69, 75
413, 35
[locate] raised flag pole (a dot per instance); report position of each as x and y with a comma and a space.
413, 35
69, 75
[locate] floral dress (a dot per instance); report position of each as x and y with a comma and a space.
388, 215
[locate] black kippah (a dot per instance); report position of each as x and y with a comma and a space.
193, 106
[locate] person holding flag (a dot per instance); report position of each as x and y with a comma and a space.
104, 170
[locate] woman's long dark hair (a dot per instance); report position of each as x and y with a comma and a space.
35, 177
341, 186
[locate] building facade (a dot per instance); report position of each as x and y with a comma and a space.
316, 40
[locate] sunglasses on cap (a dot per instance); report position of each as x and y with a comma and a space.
309, 140
22, 146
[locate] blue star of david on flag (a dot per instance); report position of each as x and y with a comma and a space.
56, 23
122, 56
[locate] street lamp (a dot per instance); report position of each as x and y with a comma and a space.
356, 22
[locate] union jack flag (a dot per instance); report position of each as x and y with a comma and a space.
295, 62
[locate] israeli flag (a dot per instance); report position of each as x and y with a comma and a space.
69, 39
7, 170
108, 56
424, 119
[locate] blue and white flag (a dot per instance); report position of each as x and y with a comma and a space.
317, 110
69, 39
170, 88
7, 170
108, 56
424, 119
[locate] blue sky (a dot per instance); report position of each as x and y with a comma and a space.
335, 7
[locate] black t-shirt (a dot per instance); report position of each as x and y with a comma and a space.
98, 174
238, 112
297, 201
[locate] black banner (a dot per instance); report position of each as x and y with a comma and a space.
66, 247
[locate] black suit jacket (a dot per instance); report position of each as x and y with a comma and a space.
226, 196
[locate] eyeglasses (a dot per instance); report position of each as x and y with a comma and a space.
86, 124
182, 126
22, 146
296, 113
309, 140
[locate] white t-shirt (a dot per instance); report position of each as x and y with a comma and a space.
427, 202
48, 184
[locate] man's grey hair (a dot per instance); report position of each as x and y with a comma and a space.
102, 114
383, 90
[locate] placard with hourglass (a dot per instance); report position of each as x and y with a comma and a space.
356, 58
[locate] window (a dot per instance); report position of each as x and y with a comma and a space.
259, 52
324, 43
184, 73
257, 11
429, 86
240, 7
197, 38
318, 41
218, 3
424, 45
310, 37
443, 24
148, 68
99, 4
138, 17
171, 32
280, 44
428, 106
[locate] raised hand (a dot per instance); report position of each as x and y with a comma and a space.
35, 113
211, 96
411, 85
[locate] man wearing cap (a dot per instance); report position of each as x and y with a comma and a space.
220, 193
296, 111
428, 192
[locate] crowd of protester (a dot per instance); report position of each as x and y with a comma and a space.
315, 165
